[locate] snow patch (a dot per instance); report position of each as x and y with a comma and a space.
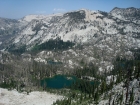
34, 98
40, 60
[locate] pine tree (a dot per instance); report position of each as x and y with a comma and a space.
81, 98
102, 87
113, 103
93, 90
96, 97
131, 97
110, 99
121, 98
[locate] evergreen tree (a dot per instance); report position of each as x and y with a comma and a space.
131, 97
103, 86
81, 98
96, 97
121, 98
110, 99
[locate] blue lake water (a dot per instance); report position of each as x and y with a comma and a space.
61, 81
54, 63
58, 81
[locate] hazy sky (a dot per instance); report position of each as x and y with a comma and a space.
19, 8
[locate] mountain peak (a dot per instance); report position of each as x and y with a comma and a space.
124, 9
29, 18
126, 13
115, 8
84, 9
132, 8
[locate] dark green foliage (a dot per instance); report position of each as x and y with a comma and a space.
103, 86
12, 84
76, 15
18, 50
122, 31
87, 70
136, 53
104, 13
1, 67
110, 99
121, 98
131, 97
73, 95
96, 96
124, 69
101, 17
83, 85
56, 44
63, 102
121, 66
37, 27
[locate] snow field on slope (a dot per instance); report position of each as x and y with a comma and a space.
34, 98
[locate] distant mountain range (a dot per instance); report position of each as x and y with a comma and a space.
100, 36
77, 26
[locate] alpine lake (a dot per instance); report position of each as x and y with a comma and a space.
60, 81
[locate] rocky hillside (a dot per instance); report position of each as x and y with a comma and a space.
77, 26
9, 28
96, 37
127, 14
96, 45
